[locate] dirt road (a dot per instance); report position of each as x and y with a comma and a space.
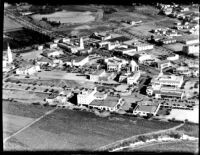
106, 147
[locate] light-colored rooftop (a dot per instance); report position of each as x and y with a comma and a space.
110, 101
172, 78
146, 108
98, 72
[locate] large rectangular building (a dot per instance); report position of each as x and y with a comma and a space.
171, 81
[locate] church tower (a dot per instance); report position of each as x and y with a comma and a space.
10, 58
81, 43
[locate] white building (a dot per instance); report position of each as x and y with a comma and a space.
115, 64
145, 109
191, 49
143, 46
10, 57
111, 104
86, 96
133, 79
146, 57
170, 81
80, 61
40, 47
7, 60
134, 66
52, 45
97, 74
111, 46
72, 47
101, 36
173, 57
164, 64
28, 70
191, 41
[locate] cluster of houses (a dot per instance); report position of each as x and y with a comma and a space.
177, 11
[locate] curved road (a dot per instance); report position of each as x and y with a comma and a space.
106, 147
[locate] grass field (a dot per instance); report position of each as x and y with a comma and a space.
9, 24
24, 110
13, 123
74, 130
23, 96
67, 17
186, 146
190, 129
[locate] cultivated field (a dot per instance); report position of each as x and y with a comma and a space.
78, 130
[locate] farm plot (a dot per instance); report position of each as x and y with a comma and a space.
78, 130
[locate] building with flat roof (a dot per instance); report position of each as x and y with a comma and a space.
28, 70
167, 80
166, 93
86, 96
115, 64
72, 47
164, 64
80, 61
111, 104
145, 109
97, 74
191, 49
133, 78
101, 36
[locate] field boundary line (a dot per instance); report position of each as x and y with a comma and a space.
105, 147
27, 126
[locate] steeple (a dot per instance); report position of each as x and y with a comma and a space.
10, 58
81, 43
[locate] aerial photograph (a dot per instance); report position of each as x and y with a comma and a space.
100, 77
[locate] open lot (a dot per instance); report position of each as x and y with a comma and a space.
74, 130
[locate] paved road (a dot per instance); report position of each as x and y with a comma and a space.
106, 147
